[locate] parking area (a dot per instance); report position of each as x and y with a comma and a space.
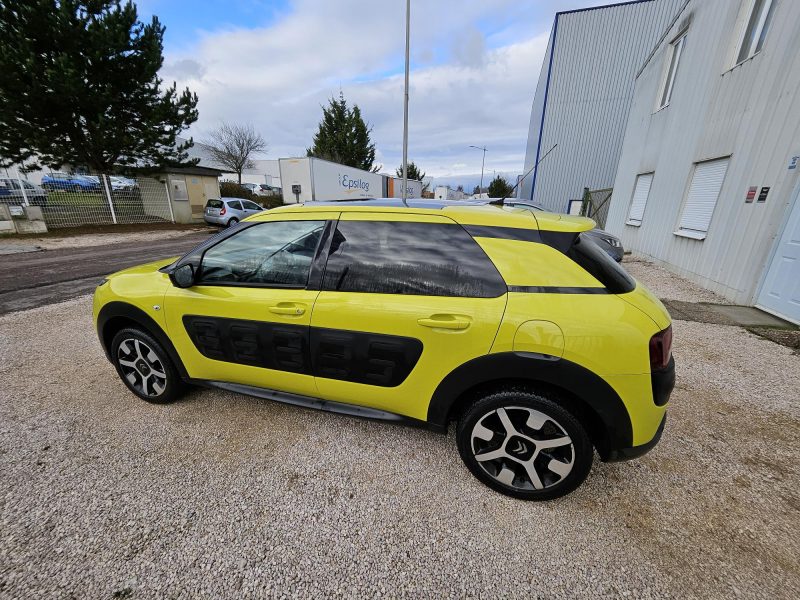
223, 495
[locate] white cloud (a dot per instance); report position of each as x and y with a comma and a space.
461, 92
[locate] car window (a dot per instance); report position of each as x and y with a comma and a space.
424, 259
250, 205
600, 265
214, 204
235, 204
275, 254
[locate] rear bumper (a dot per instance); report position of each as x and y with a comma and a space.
663, 383
214, 220
619, 454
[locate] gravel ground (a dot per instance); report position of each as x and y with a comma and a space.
221, 495
666, 284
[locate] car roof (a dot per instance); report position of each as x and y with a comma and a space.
465, 212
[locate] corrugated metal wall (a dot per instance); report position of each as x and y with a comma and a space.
594, 63
750, 112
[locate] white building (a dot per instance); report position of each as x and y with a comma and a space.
708, 178
584, 94
444, 192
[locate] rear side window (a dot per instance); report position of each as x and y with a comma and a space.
214, 204
600, 265
235, 204
422, 259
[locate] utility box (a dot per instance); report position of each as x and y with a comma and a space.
21, 219
309, 179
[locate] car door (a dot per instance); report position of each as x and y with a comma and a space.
250, 208
405, 299
246, 317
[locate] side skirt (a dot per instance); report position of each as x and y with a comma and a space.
319, 404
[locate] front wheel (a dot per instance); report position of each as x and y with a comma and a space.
525, 445
145, 367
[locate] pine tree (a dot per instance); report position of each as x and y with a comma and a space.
344, 137
414, 174
79, 84
499, 188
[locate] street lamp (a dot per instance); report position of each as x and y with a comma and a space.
480, 189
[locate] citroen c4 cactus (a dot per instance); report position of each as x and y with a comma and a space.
511, 324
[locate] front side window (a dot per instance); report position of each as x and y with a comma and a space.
672, 71
756, 30
251, 205
424, 259
274, 254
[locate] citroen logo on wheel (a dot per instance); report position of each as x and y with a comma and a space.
519, 448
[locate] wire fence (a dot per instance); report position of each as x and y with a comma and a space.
596, 204
72, 200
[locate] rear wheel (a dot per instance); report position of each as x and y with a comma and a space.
232, 221
523, 444
145, 367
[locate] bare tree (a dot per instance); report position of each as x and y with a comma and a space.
232, 145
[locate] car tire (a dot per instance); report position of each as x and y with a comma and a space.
497, 438
232, 221
145, 367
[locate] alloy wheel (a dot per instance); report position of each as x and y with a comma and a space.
141, 367
522, 448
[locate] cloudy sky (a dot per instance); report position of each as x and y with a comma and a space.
474, 67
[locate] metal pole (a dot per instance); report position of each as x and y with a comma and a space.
104, 179
483, 161
22, 187
405, 104
169, 202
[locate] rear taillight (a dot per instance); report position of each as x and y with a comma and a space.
222, 210
661, 349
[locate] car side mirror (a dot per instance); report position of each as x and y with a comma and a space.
183, 276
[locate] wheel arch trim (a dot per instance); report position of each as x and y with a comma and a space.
556, 373
128, 312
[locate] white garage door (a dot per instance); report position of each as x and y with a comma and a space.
780, 293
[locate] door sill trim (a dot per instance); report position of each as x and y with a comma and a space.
341, 408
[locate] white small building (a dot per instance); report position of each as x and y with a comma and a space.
443, 192
709, 174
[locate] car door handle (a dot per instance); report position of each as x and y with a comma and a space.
287, 308
445, 322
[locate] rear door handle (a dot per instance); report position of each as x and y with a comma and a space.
287, 308
445, 322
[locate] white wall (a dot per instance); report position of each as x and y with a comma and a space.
750, 112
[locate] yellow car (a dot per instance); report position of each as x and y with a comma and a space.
513, 324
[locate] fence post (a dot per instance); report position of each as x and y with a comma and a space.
586, 204
169, 202
22, 187
104, 179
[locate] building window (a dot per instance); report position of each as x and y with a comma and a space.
640, 194
674, 61
756, 30
702, 198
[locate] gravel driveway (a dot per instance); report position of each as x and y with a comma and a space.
221, 495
